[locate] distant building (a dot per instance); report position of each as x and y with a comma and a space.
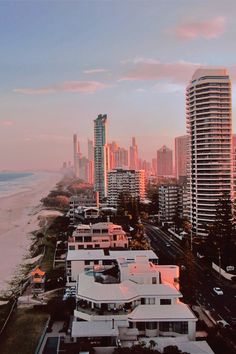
173, 201
84, 201
101, 160
164, 162
91, 161
181, 155
75, 154
129, 181
234, 164
133, 155
99, 235
209, 124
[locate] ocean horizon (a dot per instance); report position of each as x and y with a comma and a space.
12, 183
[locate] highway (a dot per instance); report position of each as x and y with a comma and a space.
170, 250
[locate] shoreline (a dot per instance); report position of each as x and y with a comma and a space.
18, 220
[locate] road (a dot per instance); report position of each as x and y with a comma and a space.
169, 248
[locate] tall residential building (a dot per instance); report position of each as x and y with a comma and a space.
209, 124
101, 161
133, 155
164, 162
181, 155
91, 161
130, 181
75, 155
234, 164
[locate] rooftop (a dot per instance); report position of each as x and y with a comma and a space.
129, 255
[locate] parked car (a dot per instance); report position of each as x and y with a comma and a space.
218, 291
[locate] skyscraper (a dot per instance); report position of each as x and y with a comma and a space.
208, 104
133, 155
91, 161
181, 153
164, 162
75, 154
101, 160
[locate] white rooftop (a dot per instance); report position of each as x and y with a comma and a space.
193, 347
152, 313
122, 292
78, 255
92, 329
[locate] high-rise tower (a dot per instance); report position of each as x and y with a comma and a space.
101, 161
133, 155
75, 154
181, 156
208, 110
164, 162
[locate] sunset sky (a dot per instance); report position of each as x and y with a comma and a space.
64, 62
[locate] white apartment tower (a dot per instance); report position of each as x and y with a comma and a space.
209, 125
101, 161
130, 181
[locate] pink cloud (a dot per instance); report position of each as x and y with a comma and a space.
210, 29
6, 123
96, 71
67, 86
151, 69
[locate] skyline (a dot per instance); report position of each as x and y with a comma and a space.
62, 64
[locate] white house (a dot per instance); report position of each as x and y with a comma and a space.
99, 235
78, 261
120, 304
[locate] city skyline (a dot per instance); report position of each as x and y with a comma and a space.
61, 67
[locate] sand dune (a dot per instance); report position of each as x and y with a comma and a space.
18, 218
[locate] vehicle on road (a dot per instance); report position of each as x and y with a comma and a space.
218, 291
167, 244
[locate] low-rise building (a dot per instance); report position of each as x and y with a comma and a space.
99, 235
78, 261
82, 201
128, 301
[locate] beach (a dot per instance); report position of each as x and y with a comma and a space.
19, 217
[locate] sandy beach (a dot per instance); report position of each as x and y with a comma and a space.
18, 218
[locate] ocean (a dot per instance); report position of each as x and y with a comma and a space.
15, 182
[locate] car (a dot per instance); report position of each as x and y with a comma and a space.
218, 291
167, 244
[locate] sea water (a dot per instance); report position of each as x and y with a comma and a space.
16, 182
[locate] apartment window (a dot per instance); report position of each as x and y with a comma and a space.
97, 245
96, 262
165, 302
154, 280
150, 301
87, 239
96, 231
71, 248
78, 239
80, 247
151, 325
104, 231
114, 237
86, 262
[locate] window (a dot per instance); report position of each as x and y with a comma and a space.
97, 245
71, 248
114, 237
96, 231
154, 280
165, 302
80, 247
96, 262
151, 325
150, 301
104, 231
78, 239
87, 239
86, 262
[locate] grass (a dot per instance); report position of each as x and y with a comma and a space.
23, 332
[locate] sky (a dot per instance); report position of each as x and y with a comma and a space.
64, 62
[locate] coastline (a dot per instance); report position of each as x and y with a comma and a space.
18, 219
